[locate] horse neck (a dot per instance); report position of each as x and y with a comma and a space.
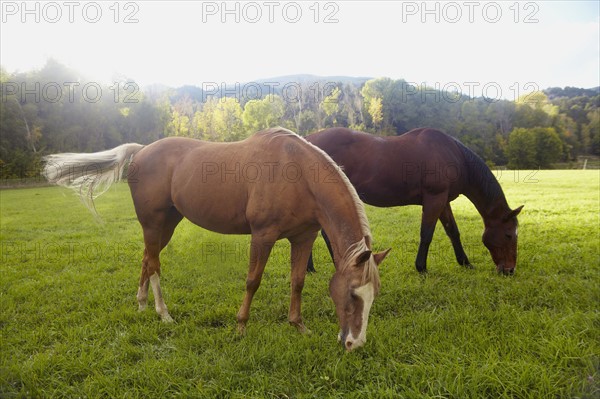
340, 219
486, 194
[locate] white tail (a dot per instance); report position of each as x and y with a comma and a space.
90, 175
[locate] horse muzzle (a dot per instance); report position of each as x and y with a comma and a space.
506, 270
349, 342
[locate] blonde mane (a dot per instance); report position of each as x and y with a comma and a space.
370, 272
360, 208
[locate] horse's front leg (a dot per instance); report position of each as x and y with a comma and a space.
432, 208
260, 249
449, 223
301, 250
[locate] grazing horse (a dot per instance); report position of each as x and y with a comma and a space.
429, 168
266, 186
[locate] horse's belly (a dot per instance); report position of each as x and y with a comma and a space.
387, 195
213, 208
390, 201
219, 221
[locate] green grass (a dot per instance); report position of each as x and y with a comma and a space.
70, 327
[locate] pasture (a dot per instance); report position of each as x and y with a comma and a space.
70, 327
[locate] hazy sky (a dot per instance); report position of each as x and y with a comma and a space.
503, 47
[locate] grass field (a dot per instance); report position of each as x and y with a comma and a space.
70, 327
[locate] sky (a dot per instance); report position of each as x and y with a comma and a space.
500, 49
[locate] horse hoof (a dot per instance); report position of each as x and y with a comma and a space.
241, 329
301, 328
166, 318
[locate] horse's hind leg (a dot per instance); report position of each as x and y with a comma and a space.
310, 267
449, 223
142, 294
157, 234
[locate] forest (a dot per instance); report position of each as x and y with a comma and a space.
55, 109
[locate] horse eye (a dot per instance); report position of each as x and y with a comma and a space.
508, 236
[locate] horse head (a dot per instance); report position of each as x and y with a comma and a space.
353, 288
500, 238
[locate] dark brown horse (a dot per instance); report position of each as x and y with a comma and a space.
265, 186
429, 168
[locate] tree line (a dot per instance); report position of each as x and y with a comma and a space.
55, 109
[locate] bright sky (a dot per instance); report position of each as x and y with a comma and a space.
504, 48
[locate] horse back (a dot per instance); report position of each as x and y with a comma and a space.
398, 170
230, 188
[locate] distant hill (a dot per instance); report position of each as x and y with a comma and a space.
307, 78
570, 92
155, 90
249, 90
260, 87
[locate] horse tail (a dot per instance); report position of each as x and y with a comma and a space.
91, 174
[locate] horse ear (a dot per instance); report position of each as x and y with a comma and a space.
380, 256
513, 213
363, 257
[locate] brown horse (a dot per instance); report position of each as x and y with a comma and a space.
429, 168
266, 186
